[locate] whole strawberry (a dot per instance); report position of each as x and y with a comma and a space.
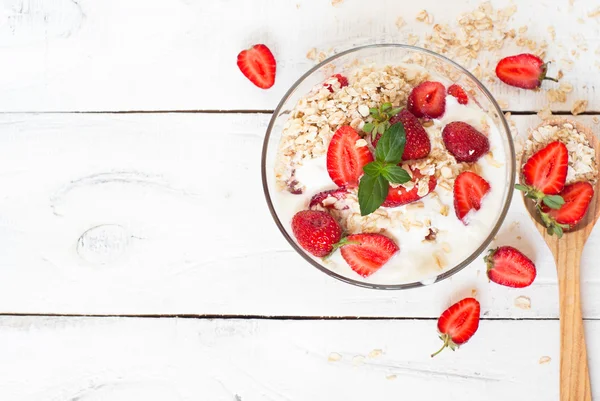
316, 231
509, 267
464, 142
417, 144
458, 323
525, 71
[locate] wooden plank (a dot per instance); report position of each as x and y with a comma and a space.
164, 214
64, 55
116, 359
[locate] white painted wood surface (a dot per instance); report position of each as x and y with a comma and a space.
174, 221
91, 359
66, 55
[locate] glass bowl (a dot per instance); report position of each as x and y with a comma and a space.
381, 55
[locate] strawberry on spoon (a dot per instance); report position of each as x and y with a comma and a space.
525, 71
366, 253
345, 161
469, 190
258, 65
509, 267
458, 323
427, 99
577, 198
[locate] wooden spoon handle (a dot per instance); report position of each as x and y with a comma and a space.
574, 373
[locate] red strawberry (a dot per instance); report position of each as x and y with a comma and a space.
344, 160
427, 100
525, 71
577, 199
400, 196
338, 193
366, 253
545, 172
258, 65
458, 323
464, 142
509, 267
469, 190
417, 141
317, 232
459, 93
341, 79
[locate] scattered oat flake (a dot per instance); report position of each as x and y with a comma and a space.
503, 104
545, 113
334, 357
523, 29
424, 16
312, 54
596, 120
523, 302
336, 2
519, 237
579, 107
391, 377
375, 353
544, 359
552, 32
358, 360
473, 292
400, 22
412, 39
565, 87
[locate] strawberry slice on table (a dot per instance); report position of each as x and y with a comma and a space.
458, 323
316, 232
319, 198
345, 160
258, 65
459, 93
366, 253
400, 196
545, 172
427, 99
509, 267
577, 198
341, 79
525, 71
469, 190
464, 142
417, 144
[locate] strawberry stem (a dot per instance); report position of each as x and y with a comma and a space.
446, 340
550, 79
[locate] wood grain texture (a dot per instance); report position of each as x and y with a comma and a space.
116, 359
164, 214
574, 372
68, 55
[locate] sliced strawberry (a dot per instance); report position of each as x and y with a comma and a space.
317, 199
400, 196
341, 79
545, 172
577, 199
459, 93
417, 144
525, 71
464, 142
469, 190
509, 267
427, 100
345, 161
258, 65
316, 231
458, 323
366, 253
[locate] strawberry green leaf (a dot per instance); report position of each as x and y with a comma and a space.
553, 201
395, 174
381, 128
391, 145
386, 106
395, 111
520, 187
368, 127
372, 191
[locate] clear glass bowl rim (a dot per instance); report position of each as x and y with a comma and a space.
415, 284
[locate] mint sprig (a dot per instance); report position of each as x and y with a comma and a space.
374, 184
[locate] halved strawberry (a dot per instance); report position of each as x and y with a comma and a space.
469, 190
417, 144
316, 231
459, 93
318, 199
577, 199
341, 79
458, 323
258, 65
345, 161
509, 267
427, 100
464, 142
366, 253
545, 172
400, 196
525, 71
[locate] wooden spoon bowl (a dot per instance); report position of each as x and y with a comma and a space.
574, 372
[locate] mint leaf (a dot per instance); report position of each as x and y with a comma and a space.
372, 191
553, 201
395, 174
391, 145
373, 169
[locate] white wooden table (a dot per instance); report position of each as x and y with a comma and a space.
138, 258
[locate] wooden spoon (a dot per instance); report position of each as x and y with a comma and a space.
574, 373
